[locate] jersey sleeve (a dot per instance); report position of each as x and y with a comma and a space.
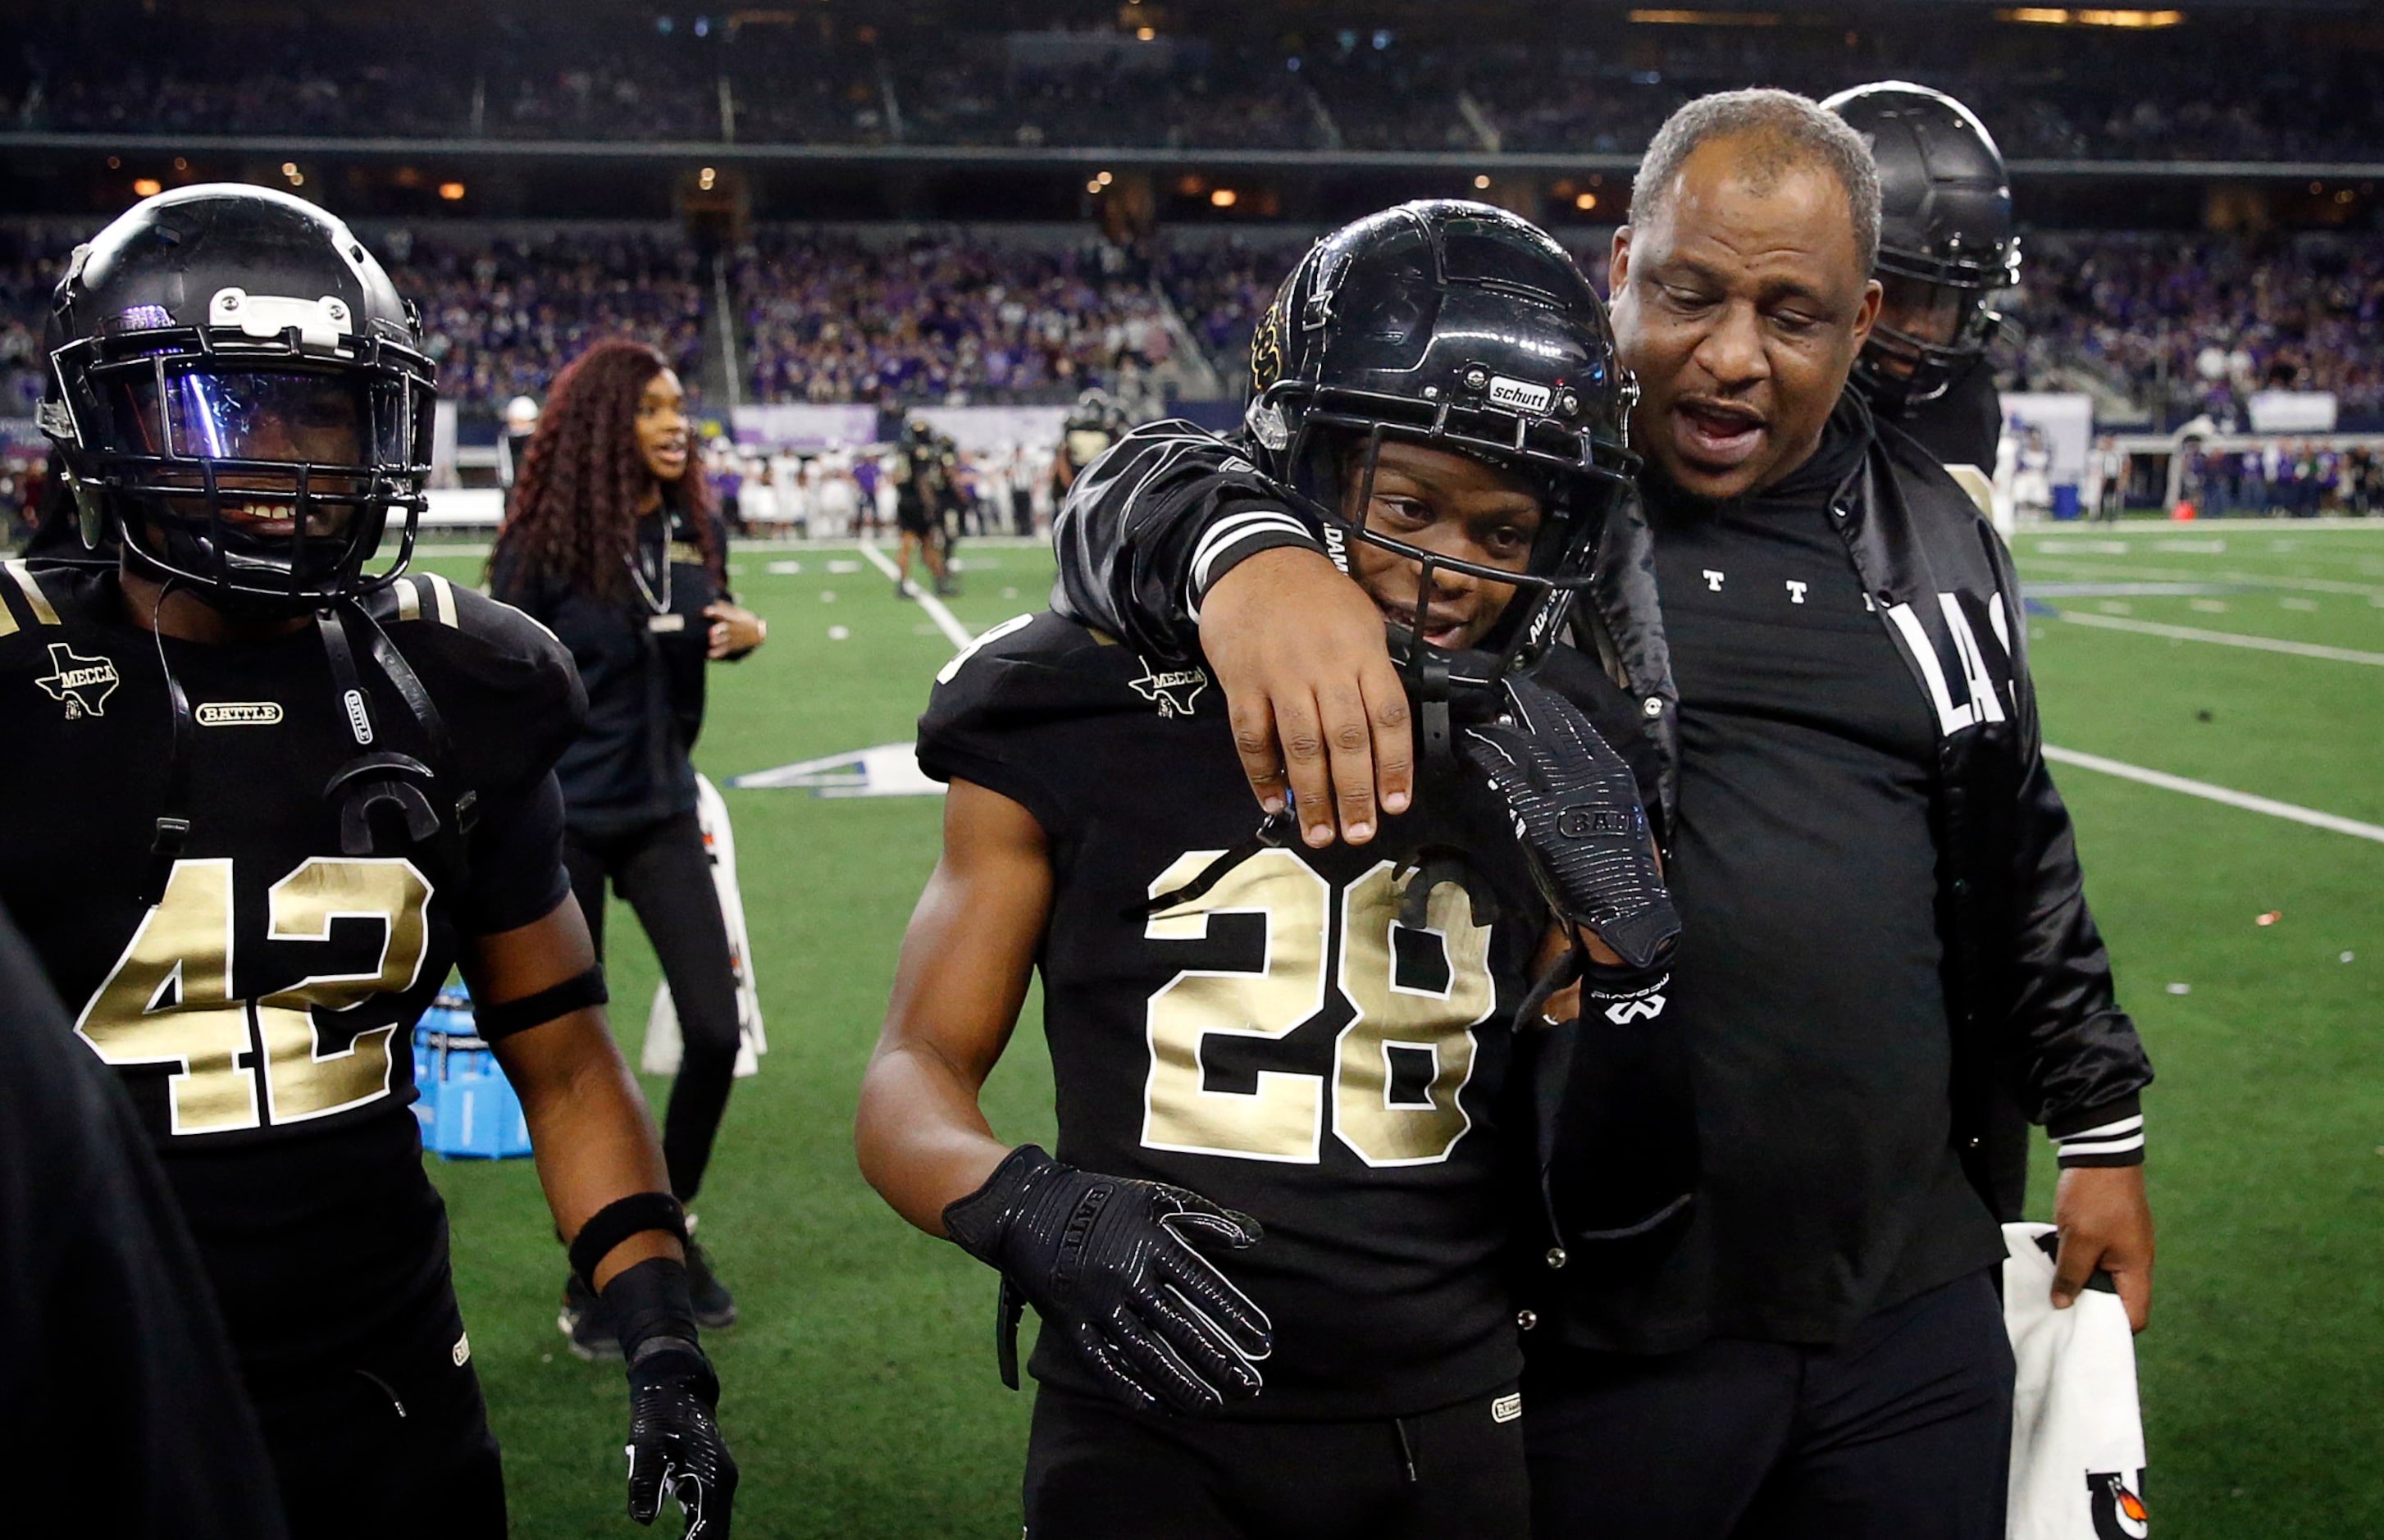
517, 870
1148, 527
997, 716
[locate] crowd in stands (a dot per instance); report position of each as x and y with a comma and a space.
2186, 328
830, 319
2171, 328
501, 318
2216, 87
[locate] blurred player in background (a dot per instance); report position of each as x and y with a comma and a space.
515, 430
1092, 424
1945, 247
281, 800
924, 498
612, 545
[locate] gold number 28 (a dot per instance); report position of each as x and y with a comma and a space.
1283, 1118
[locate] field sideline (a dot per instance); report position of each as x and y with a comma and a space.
861, 1398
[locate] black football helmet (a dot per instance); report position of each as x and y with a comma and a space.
236, 387
1945, 231
1461, 326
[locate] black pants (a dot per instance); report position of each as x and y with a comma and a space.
662, 870
395, 1451
1097, 1470
1901, 1433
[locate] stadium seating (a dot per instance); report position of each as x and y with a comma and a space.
2221, 88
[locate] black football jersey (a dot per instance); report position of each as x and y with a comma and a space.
260, 1011
1283, 1045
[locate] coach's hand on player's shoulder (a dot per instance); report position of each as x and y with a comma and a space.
1317, 707
2105, 1222
1108, 1259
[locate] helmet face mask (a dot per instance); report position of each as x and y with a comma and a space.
1461, 329
256, 449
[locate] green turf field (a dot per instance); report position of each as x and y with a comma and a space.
862, 1399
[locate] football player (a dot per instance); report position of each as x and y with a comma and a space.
1297, 1056
1092, 424
278, 801
923, 494
1945, 247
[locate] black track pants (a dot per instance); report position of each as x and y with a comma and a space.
1901, 1433
1097, 1470
662, 870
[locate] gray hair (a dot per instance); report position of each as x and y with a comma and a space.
1784, 133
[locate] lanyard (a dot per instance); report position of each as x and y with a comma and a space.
659, 605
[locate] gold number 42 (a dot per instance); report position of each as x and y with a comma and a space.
1283, 1117
168, 998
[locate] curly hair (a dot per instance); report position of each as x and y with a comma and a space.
573, 516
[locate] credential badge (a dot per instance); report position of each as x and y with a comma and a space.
1173, 691
84, 684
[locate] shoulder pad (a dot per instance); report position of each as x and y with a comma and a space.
510, 689
1025, 673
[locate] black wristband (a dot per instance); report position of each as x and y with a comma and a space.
575, 993
617, 1221
650, 1303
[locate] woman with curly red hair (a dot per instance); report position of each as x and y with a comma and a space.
612, 542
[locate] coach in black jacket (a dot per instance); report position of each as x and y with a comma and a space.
1879, 878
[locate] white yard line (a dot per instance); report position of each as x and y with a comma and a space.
2225, 639
2244, 799
945, 620
2074, 568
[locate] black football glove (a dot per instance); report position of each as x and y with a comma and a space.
1105, 1260
675, 1445
1576, 805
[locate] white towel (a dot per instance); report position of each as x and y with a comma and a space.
2077, 1435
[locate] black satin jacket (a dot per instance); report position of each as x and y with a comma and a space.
2027, 981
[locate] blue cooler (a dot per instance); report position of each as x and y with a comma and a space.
467, 1109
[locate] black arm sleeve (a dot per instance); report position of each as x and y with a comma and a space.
118, 1388
1151, 524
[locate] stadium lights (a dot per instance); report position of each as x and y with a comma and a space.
115, 162
148, 187
1105, 179
2054, 16
1482, 182
180, 164
1146, 33
452, 191
1093, 186
290, 169
1585, 202
1706, 18
705, 177
1224, 197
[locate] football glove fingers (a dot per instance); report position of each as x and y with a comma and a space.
1576, 805
674, 1444
1104, 1258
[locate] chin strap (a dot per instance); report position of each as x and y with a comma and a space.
174, 805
